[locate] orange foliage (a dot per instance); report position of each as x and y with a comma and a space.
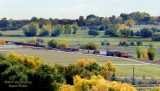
2, 42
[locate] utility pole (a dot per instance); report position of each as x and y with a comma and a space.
133, 77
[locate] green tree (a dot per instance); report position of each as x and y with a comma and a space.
45, 30
57, 30
46, 78
151, 53
111, 32
146, 32
75, 28
53, 43
105, 21
138, 51
125, 31
68, 29
31, 30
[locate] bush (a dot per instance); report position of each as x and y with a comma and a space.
107, 43
2, 42
39, 40
132, 43
138, 51
90, 46
146, 32
139, 43
93, 33
111, 32
53, 43
151, 53
102, 43
123, 43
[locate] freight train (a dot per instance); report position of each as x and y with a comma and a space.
84, 51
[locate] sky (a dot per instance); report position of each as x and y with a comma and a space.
72, 9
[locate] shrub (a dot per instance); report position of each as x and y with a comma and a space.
151, 53
93, 33
2, 42
132, 43
65, 42
90, 46
123, 43
139, 43
53, 43
102, 43
34, 40
107, 43
138, 51
39, 40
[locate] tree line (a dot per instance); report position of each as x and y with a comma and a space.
91, 20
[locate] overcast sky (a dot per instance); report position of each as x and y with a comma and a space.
72, 9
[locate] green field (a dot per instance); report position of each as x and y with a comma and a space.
124, 66
82, 37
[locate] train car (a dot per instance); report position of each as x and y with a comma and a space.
124, 55
103, 53
109, 53
96, 52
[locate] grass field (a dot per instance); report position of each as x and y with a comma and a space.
82, 38
124, 66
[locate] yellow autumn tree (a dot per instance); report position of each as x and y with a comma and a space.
2, 42
96, 83
81, 62
65, 42
34, 40
91, 60
30, 62
146, 54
